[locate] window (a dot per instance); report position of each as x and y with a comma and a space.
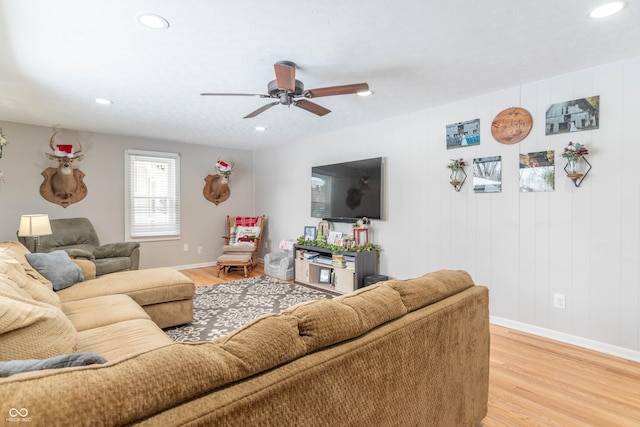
152, 195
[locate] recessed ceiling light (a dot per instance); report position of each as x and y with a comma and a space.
365, 92
260, 128
607, 9
103, 101
153, 21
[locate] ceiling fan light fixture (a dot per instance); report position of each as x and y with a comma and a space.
607, 9
260, 128
155, 22
103, 101
367, 92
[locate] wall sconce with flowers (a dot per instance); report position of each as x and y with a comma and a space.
458, 175
575, 154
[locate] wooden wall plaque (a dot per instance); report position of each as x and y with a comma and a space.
511, 125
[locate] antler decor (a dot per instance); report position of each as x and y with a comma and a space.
216, 188
63, 185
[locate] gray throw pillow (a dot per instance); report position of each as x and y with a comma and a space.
57, 267
13, 367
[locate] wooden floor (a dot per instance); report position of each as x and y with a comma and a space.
535, 381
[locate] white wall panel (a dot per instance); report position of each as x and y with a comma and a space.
581, 242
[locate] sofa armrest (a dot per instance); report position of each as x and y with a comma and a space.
111, 250
286, 263
80, 254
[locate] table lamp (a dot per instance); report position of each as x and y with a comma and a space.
34, 226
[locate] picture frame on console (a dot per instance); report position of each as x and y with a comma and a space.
325, 276
334, 238
310, 232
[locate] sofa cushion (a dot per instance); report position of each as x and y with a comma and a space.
150, 286
57, 267
123, 339
31, 329
13, 367
95, 312
358, 312
431, 287
15, 272
244, 248
18, 251
88, 268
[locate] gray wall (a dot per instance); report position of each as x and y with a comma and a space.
202, 222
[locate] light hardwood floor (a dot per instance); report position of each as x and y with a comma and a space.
535, 381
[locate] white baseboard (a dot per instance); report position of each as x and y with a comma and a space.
601, 347
187, 267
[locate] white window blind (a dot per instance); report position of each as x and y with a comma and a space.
152, 201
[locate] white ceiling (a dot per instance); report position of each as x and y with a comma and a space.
56, 57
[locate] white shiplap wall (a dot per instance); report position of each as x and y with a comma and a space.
581, 242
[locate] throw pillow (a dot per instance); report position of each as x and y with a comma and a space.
57, 267
13, 367
246, 235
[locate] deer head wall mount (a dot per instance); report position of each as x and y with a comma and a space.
63, 185
216, 188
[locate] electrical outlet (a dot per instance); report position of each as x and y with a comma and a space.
185, 247
559, 301
200, 249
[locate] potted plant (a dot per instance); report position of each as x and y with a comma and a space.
573, 153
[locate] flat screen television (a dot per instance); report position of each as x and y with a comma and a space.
343, 191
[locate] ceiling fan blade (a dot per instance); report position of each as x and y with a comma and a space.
261, 110
336, 90
235, 94
285, 75
312, 107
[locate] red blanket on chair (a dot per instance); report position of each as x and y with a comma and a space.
246, 221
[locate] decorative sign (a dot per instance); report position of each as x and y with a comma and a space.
511, 125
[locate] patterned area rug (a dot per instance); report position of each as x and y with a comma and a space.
220, 309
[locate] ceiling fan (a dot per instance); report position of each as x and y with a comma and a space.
289, 91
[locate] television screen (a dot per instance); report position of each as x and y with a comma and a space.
344, 191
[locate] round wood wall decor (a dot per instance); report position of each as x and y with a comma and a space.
511, 125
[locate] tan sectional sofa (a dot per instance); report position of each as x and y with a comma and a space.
397, 353
116, 315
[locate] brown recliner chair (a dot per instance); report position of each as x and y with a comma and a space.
79, 239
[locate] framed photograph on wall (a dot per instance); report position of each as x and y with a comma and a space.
573, 116
310, 232
463, 134
487, 174
537, 172
325, 275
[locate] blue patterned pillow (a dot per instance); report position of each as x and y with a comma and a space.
57, 267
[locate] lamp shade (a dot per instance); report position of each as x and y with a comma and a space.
34, 225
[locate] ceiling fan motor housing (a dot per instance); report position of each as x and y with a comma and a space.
275, 92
